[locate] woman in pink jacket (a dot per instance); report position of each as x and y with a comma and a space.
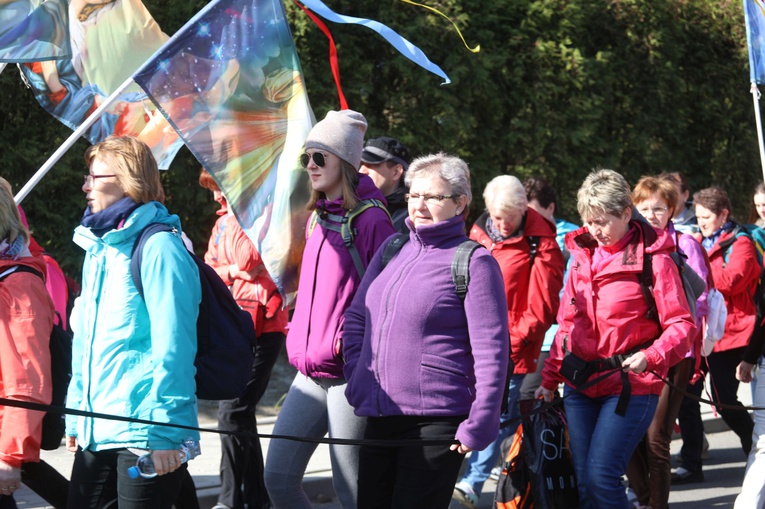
26, 320
234, 257
605, 321
649, 469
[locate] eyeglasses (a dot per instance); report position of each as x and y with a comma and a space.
90, 178
430, 199
318, 158
657, 211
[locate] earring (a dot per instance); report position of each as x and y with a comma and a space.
458, 213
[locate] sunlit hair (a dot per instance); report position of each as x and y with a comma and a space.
505, 194
133, 163
11, 226
206, 181
663, 187
677, 178
753, 215
451, 169
539, 189
603, 191
713, 199
349, 177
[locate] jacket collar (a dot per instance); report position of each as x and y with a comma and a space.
439, 235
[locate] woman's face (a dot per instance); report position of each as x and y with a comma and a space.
608, 229
655, 210
506, 221
759, 205
328, 178
101, 191
709, 222
425, 203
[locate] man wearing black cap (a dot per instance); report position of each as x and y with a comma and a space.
385, 160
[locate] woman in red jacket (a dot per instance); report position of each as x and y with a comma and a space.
604, 314
523, 243
234, 257
26, 320
735, 269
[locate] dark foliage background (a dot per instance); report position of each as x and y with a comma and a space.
559, 87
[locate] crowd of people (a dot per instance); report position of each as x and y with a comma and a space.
423, 327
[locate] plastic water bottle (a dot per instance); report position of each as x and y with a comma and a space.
144, 466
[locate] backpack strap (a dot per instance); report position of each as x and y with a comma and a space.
646, 286
344, 226
533, 247
395, 244
461, 267
21, 268
137, 254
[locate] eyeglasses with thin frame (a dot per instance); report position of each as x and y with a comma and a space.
90, 178
318, 158
430, 199
657, 211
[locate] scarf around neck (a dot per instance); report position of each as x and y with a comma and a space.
111, 218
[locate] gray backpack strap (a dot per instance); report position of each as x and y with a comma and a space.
461, 267
395, 244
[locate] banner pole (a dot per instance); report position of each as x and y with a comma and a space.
756, 99
59, 153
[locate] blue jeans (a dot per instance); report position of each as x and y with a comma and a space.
600, 464
480, 463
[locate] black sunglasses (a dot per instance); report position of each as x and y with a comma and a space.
318, 158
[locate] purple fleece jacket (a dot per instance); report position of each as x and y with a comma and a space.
328, 282
413, 348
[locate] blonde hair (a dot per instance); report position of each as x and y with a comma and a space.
505, 194
350, 180
11, 226
603, 191
133, 163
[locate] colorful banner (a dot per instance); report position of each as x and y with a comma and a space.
231, 85
754, 15
34, 31
110, 40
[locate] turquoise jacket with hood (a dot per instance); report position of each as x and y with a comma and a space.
134, 357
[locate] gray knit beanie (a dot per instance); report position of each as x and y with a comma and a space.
340, 133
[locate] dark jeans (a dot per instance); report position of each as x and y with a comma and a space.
691, 425
47, 482
241, 464
722, 369
7, 502
649, 470
100, 480
416, 477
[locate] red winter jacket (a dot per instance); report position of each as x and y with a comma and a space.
737, 281
532, 290
229, 245
26, 320
604, 313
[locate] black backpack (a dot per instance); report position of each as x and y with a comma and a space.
225, 332
53, 426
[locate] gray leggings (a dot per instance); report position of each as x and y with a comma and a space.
314, 406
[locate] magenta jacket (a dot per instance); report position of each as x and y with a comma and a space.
412, 347
328, 282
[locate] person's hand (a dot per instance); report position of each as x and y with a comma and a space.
273, 305
744, 372
235, 273
460, 448
10, 479
637, 363
71, 444
543, 393
166, 462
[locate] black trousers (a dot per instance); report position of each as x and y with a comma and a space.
722, 369
100, 480
691, 425
241, 464
47, 482
416, 477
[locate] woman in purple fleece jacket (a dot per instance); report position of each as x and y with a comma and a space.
316, 401
420, 363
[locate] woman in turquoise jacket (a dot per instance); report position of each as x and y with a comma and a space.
133, 356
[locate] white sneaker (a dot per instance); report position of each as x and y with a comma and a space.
465, 495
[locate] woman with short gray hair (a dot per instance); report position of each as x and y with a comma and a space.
605, 317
